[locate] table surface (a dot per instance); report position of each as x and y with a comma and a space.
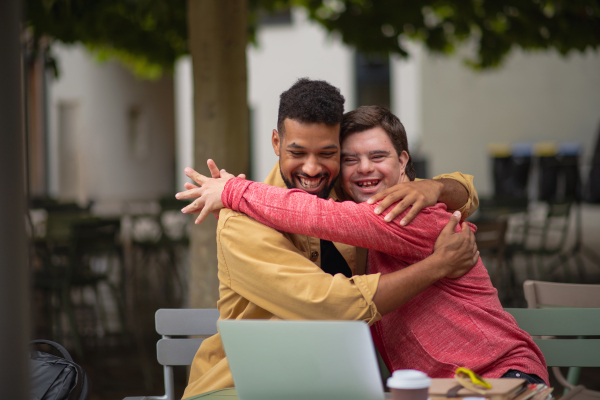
231, 394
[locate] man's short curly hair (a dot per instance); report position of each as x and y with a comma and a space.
310, 101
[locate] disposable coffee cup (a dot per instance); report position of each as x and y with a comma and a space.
409, 384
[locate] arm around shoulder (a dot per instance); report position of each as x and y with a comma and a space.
459, 193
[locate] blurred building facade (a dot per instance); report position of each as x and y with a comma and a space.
291, 47
110, 135
451, 112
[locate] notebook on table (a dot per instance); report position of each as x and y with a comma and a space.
502, 389
328, 360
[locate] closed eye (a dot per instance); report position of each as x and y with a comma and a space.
329, 154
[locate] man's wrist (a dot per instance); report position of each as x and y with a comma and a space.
438, 266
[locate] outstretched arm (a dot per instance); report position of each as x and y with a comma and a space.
456, 190
299, 212
347, 222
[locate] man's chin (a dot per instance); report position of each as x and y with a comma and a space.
323, 193
361, 197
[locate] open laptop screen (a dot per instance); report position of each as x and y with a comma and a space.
274, 360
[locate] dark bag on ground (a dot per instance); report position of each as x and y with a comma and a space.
56, 378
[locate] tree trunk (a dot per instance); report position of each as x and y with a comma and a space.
217, 42
15, 289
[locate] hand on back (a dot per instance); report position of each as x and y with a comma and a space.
457, 250
418, 194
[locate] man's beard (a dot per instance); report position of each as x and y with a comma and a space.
323, 193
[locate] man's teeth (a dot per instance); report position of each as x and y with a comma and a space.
309, 183
367, 184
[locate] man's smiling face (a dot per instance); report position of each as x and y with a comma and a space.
309, 156
370, 163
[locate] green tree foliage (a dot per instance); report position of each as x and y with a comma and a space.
145, 35
497, 26
149, 35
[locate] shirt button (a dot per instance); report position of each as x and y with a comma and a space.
314, 255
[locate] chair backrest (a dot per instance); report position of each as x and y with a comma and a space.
551, 294
172, 351
573, 322
183, 322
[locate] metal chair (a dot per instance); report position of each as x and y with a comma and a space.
564, 352
491, 241
543, 239
551, 295
172, 351
79, 252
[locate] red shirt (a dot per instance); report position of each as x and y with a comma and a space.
454, 323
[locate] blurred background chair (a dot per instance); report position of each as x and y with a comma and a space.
538, 240
553, 295
491, 242
160, 241
79, 251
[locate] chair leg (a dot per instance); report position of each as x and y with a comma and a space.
572, 377
68, 307
564, 260
120, 307
560, 260
529, 267
101, 310
54, 312
511, 283
580, 267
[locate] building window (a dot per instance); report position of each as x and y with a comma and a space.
279, 17
372, 80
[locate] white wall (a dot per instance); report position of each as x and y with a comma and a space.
406, 94
533, 97
119, 157
284, 54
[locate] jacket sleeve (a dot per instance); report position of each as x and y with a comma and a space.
265, 268
467, 181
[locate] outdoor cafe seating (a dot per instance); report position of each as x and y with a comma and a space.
95, 270
531, 228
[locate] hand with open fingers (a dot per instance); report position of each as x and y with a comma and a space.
195, 192
418, 194
458, 250
207, 194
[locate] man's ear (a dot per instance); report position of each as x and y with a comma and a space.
276, 142
403, 160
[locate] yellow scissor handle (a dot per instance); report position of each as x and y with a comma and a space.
476, 379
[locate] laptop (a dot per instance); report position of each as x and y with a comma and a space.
300, 360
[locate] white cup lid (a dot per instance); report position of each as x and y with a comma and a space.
408, 379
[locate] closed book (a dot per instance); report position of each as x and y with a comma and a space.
502, 389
